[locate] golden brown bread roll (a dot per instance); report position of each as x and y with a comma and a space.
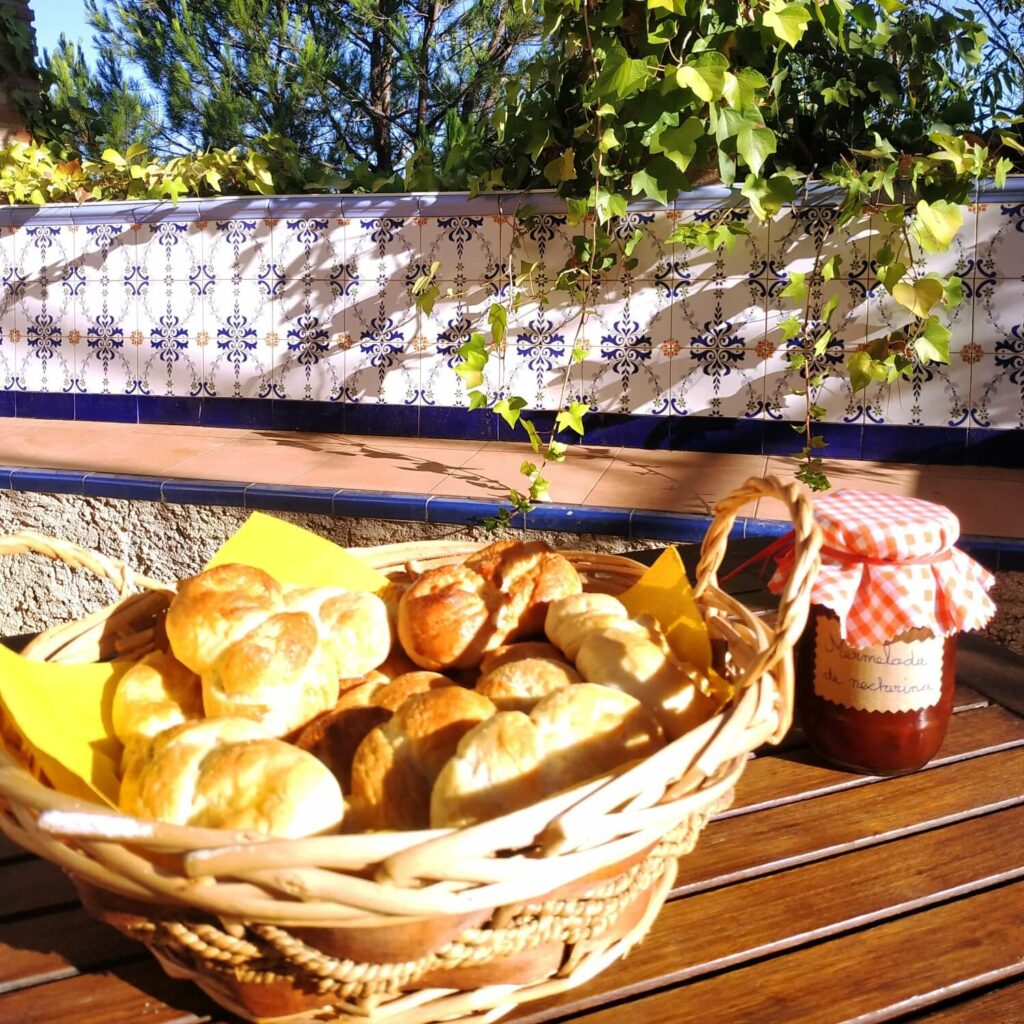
334, 736
517, 652
513, 759
273, 653
572, 618
518, 685
450, 617
637, 660
395, 766
154, 694
227, 773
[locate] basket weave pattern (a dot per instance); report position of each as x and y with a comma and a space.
420, 926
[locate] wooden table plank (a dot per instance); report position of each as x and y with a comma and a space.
872, 975
707, 932
29, 886
136, 994
59, 945
1002, 1005
768, 781
756, 844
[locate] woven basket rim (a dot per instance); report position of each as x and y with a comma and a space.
391, 876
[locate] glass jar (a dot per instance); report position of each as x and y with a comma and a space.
880, 710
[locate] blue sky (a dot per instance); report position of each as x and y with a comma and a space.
52, 17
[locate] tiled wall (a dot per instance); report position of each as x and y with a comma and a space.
297, 311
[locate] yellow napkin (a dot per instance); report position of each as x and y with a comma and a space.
63, 711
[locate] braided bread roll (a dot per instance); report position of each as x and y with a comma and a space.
227, 773
272, 653
451, 616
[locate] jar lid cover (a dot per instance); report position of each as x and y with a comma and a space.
889, 566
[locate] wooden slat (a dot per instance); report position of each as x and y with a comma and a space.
29, 886
771, 780
707, 932
869, 976
755, 844
137, 994
994, 669
1002, 1005
59, 945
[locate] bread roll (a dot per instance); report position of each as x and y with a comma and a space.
154, 694
273, 653
513, 759
572, 618
453, 615
334, 736
395, 766
518, 685
226, 773
518, 652
639, 662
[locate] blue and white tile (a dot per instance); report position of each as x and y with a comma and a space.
12, 343
1000, 245
748, 256
998, 312
171, 251
240, 248
840, 402
719, 307
384, 348
543, 242
652, 252
308, 247
466, 247
718, 380
241, 328
44, 253
106, 360
312, 335
171, 339
47, 361
997, 386
383, 251
935, 394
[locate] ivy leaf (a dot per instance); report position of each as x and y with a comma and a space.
787, 21
821, 345
621, 75
936, 224
477, 400
572, 418
705, 76
740, 90
645, 182
561, 168
679, 144
755, 145
829, 308
497, 320
1002, 169
509, 409
797, 287
953, 292
531, 432
790, 328
555, 451
830, 268
675, 6
932, 344
111, 156
920, 296
892, 275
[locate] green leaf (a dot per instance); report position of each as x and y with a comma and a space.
621, 75
572, 418
675, 6
953, 292
797, 287
645, 182
740, 90
531, 433
679, 144
477, 400
932, 344
527, 469
755, 145
821, 345
892, 275
561, 168
111, 156
497, 320
830, 268
705, 76
829, 308
788, 21
936, 224
1002, 169
790, 328
509, 409
920, 296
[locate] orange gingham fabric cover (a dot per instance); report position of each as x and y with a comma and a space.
877, 602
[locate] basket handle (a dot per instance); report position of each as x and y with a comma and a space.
794, 601
124, 578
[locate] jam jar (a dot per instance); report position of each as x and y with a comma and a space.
875, 668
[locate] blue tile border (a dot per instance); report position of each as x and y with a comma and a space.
923, 445
634, 524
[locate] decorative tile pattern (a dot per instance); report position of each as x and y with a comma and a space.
310, 299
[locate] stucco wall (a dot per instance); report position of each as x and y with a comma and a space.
170, 542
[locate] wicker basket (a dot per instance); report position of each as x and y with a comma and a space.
423, 926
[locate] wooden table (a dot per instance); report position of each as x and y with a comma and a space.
820, 897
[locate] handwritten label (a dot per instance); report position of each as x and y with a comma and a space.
905, 675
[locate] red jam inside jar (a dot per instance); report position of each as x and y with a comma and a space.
880, 710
